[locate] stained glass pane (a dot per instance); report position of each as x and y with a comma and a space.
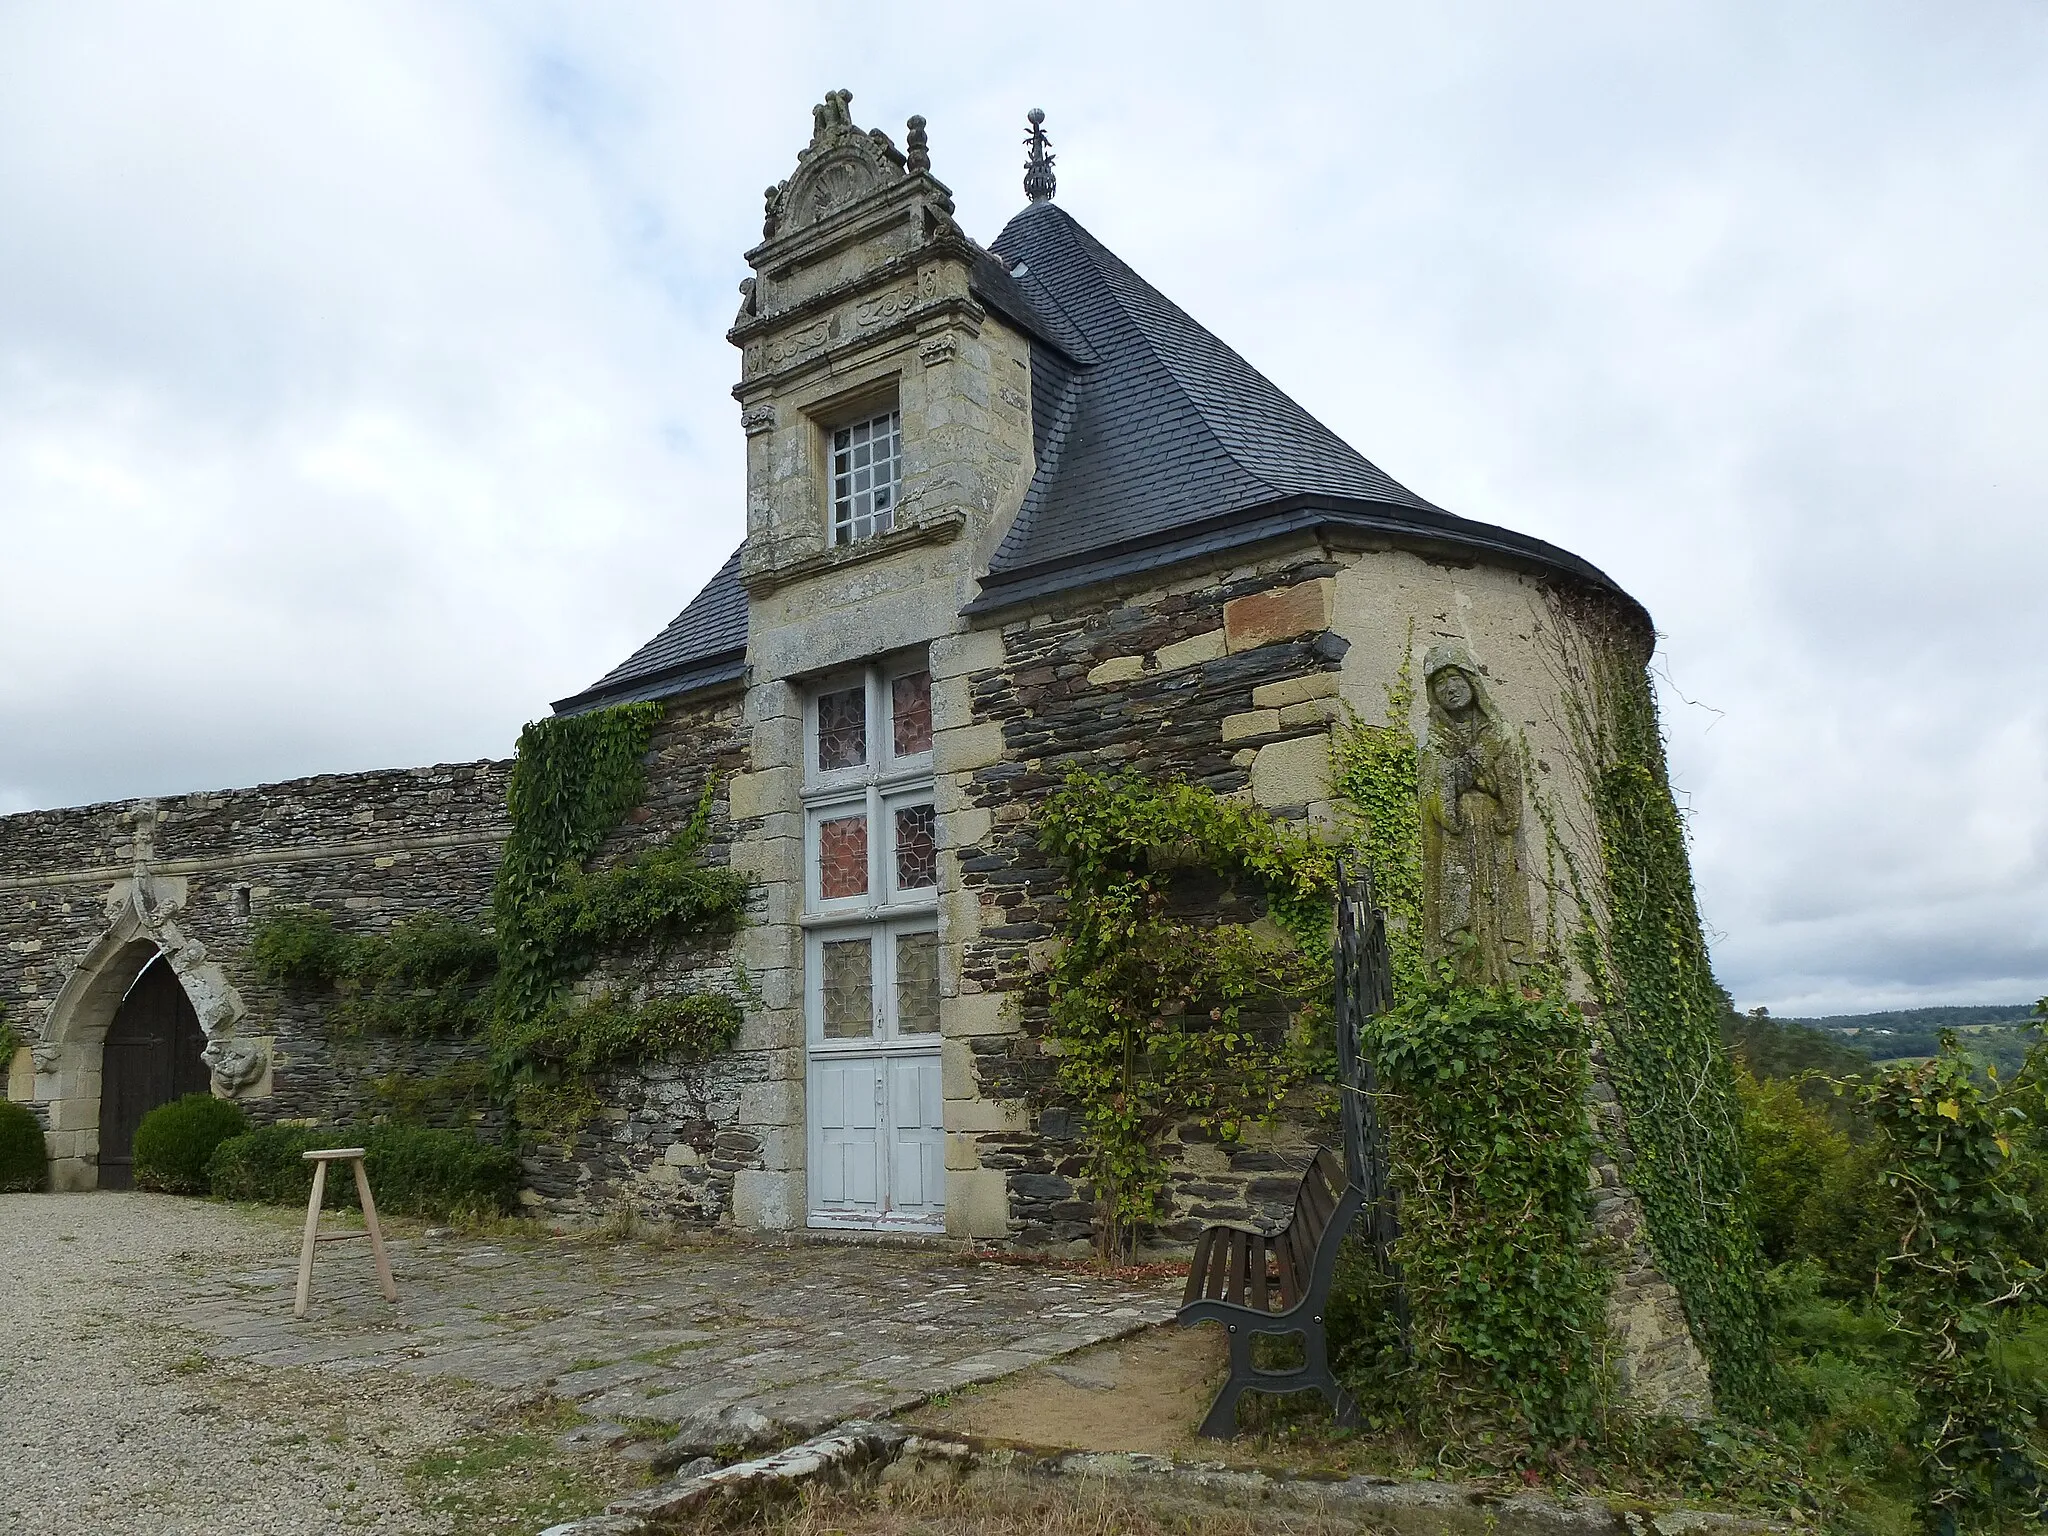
910, 707
917, 983
917, 848
842, 729
849, 989
843, 857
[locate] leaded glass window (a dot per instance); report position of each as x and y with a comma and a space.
871, 848
849, 988
842, 729
917, 847
910, 712
866, 460
917, 983
843, 857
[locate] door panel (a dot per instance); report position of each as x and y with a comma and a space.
846, 1135
917, 1168
151, 1056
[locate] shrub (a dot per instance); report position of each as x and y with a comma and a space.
414, 1171
299, 948
24, 1159
174, 1141
265, 1164
1491, 1152
417, 1171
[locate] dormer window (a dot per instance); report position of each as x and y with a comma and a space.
867, 458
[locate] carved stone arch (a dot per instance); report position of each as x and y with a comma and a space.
828, 183
67, 1051
139, 926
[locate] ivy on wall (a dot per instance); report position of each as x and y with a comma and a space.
1375, 770
1645, 955
553, 922
428, 975
1162, 1018
1483, 1094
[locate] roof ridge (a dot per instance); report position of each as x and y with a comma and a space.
1126, 283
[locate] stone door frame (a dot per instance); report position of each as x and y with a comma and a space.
67, 1053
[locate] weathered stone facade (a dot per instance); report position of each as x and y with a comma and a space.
89, 896
1223, 659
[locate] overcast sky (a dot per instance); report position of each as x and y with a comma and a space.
363, 381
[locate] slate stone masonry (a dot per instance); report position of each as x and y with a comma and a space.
1165, 682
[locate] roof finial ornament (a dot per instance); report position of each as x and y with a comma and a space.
1039, 182
919, 148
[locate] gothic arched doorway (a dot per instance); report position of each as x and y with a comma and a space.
151, 1056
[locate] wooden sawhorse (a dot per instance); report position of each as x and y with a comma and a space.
314, 1235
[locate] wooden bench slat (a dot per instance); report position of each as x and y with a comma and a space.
1219, 1256
1199, 1267
1317, 1201
1258, 1268
1288, 1245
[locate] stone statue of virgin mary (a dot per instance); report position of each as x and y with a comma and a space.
1475, 903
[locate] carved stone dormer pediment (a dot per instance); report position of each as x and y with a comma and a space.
862, 306
853, 201
839, 166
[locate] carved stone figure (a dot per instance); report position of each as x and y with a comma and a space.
1475, 901
237, 1064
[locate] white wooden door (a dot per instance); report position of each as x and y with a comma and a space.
847, 1137
917, 1139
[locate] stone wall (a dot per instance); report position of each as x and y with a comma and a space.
89, 895
1229, 679
672, 1140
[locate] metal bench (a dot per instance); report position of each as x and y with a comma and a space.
1269, 1285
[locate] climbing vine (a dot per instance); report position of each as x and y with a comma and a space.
1374, 770
552, 923
1162, 1017
428, 975
1482, 1093
1645, 955
575, 779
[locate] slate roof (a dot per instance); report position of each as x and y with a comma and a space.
704, 644
1155, 443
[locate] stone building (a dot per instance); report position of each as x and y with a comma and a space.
1008, 509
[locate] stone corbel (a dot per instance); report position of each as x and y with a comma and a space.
241, 1067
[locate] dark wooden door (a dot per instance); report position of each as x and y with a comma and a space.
151, 1057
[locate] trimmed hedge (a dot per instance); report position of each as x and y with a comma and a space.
414, 1171
24, 1158
174, 1141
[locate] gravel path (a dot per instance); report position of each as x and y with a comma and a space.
110, 1421
153, 1380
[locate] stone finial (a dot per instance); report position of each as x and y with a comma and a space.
770, 213
916, 147
830, 116
1039, 182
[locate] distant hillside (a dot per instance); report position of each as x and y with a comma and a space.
1998, 1034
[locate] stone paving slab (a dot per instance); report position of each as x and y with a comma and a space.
811, 1332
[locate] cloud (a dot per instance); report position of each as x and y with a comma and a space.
363, 382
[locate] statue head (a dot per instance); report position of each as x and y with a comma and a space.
1451, 677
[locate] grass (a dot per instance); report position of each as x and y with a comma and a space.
1012, 1504
516, 1479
